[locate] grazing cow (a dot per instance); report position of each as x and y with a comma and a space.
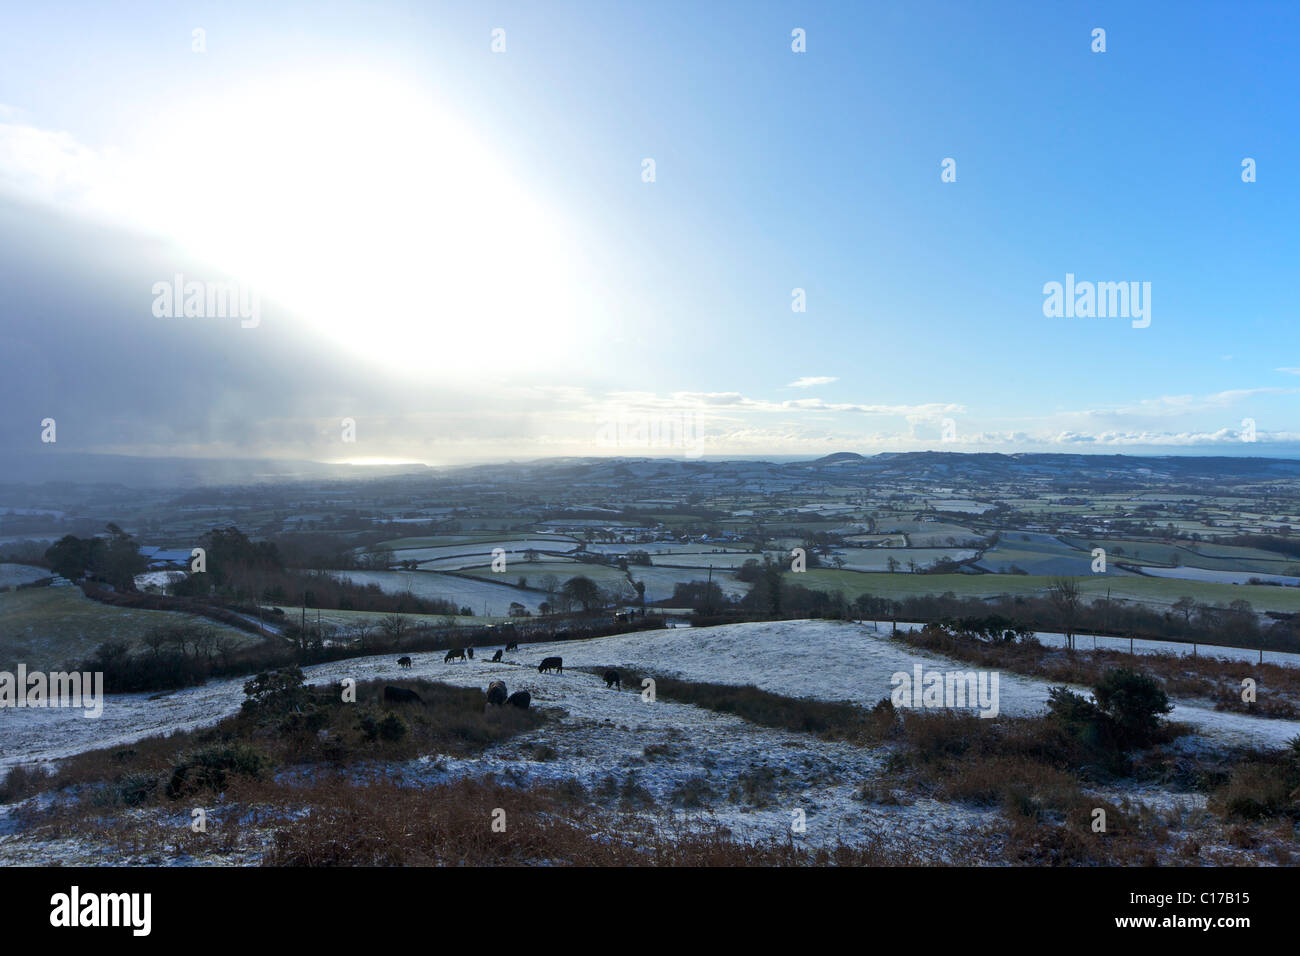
612, 680
404, 661
496, 657
551, 664
496, 692
400, 695
454, 653
512, 646
520, 699
470, 652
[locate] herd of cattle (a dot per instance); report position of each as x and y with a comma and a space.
496, 692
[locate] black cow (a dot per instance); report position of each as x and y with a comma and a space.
496, 692
454, 653
404, 661
470, 652
551, 664
400, 695
612, 680
512, 646
496, 657
520, 699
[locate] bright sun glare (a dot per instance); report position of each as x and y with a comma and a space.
372, 212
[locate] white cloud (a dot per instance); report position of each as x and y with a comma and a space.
52, 168
1170, 405
808, 381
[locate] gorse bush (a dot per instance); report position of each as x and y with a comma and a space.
273, 694
390, 728
1135, 702
212, 768
1088, 728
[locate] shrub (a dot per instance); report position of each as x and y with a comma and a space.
20, 782
1264, 785
1073, 711
1134, 701
392, 728
273, 694
389, 728
1088, 727
936, 734
213, 767
1255, 791
136, 788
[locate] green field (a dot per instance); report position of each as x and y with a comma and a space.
1153, 592
50, 627
1039, 554
1207, 555
342, 620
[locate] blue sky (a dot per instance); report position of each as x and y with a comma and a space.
532, 286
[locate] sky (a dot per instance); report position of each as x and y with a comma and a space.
489, 231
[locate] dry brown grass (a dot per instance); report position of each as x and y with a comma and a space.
336, 821
828, 720
1031, 770
387, 825
452, 720
1278, 686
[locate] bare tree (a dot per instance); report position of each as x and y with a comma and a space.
393, 627
1064, 595
361, 633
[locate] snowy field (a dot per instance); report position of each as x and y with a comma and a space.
1085, 642
660, 582
653, 548
12, 575
483, 597
719, 561
699, 767
1222, 577
481, 551
157, 579
823, 660
877, 559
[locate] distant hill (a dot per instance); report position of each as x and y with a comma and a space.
850, 467
838, 458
